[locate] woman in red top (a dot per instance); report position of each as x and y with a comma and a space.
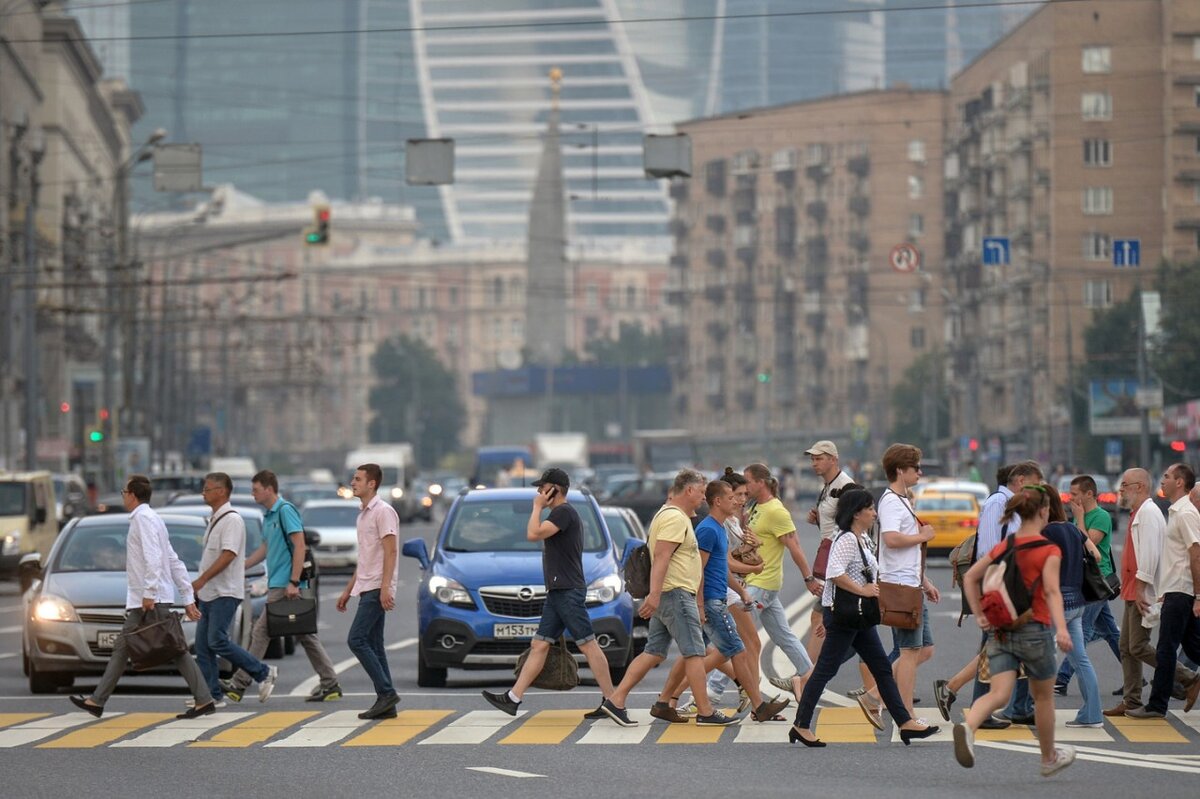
1031, 645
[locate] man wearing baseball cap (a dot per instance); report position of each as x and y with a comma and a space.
561, 534
825, 463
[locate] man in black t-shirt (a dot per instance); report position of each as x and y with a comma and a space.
566, 591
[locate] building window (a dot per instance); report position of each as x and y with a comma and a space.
1097, 152
516, 328
916, 225
1198, 145
1097, 294
423, 297
1097, 246
591, 295
1196, 92
1196, 196
916, 301
916, 151
1097, 200
917, 338
1196, 47
631, 296
497, 290
591, 328
454, 295
916, 187
1097, 59
495, 329
395, 297
1097, 105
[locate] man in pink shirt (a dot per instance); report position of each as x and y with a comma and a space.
374, 583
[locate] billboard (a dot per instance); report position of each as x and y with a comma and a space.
1182, 422
1114, 409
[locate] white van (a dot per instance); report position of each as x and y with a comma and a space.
28, 522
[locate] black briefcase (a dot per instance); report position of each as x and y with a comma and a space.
292, 617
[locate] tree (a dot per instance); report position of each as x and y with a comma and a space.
1175, 351
415, 399
632, 347
920, 403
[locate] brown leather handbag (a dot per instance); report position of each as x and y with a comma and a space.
901, 606
746, 553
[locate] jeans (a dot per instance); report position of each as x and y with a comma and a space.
317, 656
774, 621
185, 664
212, 641
676, 619
1019, 704
721, 629
366, 642
838, 641
1089, 685
565, 609
1178, 627
1098, 624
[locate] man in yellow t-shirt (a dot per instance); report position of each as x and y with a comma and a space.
673, 605
773, 525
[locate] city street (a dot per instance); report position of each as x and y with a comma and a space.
450, 742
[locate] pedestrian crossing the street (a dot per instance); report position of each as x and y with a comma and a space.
440, 727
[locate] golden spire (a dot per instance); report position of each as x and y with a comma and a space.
555, 85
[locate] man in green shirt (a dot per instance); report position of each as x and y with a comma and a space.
1098, 621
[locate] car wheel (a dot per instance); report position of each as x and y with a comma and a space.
428, 676
274, 649
616, 674
42, 683
289, 645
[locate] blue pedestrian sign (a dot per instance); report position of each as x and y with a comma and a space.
1127, 252
996, 250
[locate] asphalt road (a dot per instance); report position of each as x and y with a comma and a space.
450, 743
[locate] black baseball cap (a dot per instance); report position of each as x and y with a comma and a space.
554, 477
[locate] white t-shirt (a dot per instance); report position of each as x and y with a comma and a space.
1175, 567
228, 534
827, 505
901, 565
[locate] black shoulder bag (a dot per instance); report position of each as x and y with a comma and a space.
851, 610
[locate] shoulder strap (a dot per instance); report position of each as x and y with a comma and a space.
870, 578
287, 539
212, 525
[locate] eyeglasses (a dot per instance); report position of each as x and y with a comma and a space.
206, 489
125, 491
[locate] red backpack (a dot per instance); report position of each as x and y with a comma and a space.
1007, 603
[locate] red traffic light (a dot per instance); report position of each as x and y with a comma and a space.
103, 414
1178, 446
973, 444
65, 407
323, 214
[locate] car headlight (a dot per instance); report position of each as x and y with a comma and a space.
604, 590
54, 608
258, 587
450, 592
397, 493
345, 493
12, 543
426, 502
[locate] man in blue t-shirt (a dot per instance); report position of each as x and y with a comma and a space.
719, 626
283, 549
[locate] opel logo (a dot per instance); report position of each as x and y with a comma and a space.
525, 594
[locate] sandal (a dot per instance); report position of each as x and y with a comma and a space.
874, 713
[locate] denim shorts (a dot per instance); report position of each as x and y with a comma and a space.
720, 629
677, 619
565, 608
914, 639
1031, 646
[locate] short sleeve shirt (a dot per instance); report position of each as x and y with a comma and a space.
281, 521
1031, 564
712, 538
228, 534
770, 521
900, 564
845, 559
1183, 530
562, 553
671, 524
376, 521
827, 505
1098, 519
1069, 540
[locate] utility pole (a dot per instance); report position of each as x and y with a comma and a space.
1144, 409
29, 317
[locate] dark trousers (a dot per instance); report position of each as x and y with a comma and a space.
1177, 627
212, 642
366, 642
839, 641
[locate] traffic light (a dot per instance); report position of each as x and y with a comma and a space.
64, 407
319, 232
764, 376
1179, 446
96, 435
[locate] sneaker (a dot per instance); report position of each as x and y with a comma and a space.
744, 705
1028, 721
1060, 688
944, 697
218, 703
716, 719
1063, 757
964, 746
231, 691
664, 711
856, 692
320, 694
617, 714
1144, 713
993, 723
1084, 725
598, 713
768, 709
197, 712
267, 686
691, 709
782, 683
502, 702
384, 708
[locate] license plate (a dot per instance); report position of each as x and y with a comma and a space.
106, 640
514, 630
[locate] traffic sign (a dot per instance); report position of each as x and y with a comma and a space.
905, 258
860, 428
996, 250
1127, 252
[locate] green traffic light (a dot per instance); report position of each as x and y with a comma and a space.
95, 436
764, 377
313, 238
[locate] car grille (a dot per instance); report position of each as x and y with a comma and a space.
509, 647
334, 549
99, 651
101, 617
514, 607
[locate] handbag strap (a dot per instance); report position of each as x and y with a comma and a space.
868, 575
908, 507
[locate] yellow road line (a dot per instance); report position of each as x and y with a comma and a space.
844, 725
546, 727
255, 730
9, 719
690, 733
393, 732
103, 732
1147, 731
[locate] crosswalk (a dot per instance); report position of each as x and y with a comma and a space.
442, 727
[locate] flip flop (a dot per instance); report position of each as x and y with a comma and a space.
874, 713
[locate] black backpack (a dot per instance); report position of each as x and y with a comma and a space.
637, 568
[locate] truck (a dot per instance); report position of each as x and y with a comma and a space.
566, 451
399, 465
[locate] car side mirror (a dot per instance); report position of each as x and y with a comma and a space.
630, 545
39, 516
415, 548
29, 570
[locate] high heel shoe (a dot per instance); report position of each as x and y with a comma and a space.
907, 736
794, 735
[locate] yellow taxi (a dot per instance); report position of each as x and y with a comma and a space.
954, 515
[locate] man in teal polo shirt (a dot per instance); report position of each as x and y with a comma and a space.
283, 549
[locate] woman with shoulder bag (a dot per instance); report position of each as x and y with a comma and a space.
849, 602
1073, 543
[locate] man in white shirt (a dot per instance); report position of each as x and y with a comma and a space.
220, 590
151, 566
1178, 579
826, 465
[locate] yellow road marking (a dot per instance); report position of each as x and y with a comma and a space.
103, 732
9, 719
1147, 731
255, 730
546, 727
844, 725
393, 732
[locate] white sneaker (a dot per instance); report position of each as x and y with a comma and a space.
1063, 757
964, 746
220, 703
267, 686
1085, 725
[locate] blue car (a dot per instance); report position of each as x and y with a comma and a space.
481, 592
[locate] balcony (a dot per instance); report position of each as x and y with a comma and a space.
1188, 223
859, 205
716, 294
715, 223
1020, 144
717, 330
715, 258
678, 190
816, 323
818, 173
816, 250
859, 165
817, 211
744, 200
1188, 175
860, 241
679, 261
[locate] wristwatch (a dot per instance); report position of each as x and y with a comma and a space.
295, 583
812, 578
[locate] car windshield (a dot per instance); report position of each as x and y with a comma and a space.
618, 528
332, 516
946, 503
101, 547
499, 525
12, 499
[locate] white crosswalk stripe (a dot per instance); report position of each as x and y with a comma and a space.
181, 731
474, 728
605, 731
325, 730
32, 731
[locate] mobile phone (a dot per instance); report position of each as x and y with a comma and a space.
552, 492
